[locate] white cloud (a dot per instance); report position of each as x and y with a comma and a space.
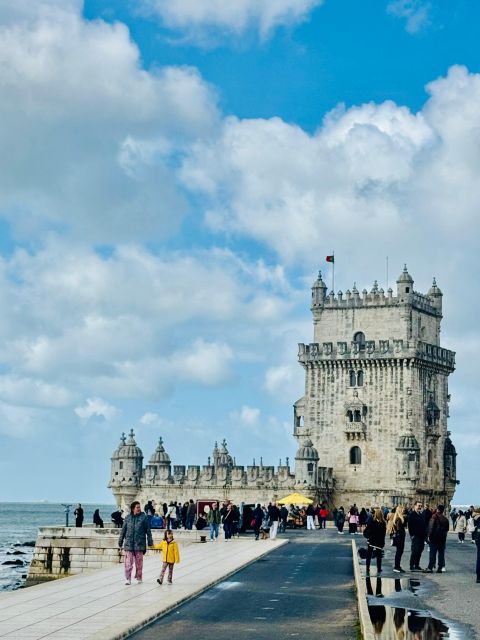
34, 393
415, 12
247, 416
92, 135
280, 380
150, 418
203, 20
96, 408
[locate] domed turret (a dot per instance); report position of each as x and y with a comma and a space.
435, 295
127, 461
160, 456
404, 284
408, 442
306, 464
319, 292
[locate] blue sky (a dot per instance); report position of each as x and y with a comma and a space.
174, 174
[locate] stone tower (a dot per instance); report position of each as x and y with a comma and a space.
126, 474
376, 394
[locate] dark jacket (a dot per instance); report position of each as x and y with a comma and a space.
417, 525
438, 529
399, 528
258, 515
375, 532
273, 513
213, 516
134, 531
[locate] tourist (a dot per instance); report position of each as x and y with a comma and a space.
191, 510
352, 520
476, 517
97, 520
117, 518
375, 533
471, 527
213, 520
183, 514
417, 530
150, 511
227, 521
78, 513
453, 518
170, 556
322, 516
134, 531
362, 519
437, 539
172, 516
461, 527
257, 517
397, 529
235, 521
282, 527
310, 516
340, 520
201, 522
274, 516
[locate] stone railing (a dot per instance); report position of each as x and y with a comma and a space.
369, 349
375, 298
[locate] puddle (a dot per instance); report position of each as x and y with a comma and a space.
391, 620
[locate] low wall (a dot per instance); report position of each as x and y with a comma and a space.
67, 551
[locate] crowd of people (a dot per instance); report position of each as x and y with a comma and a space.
425, 526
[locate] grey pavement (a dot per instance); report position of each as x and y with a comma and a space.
304, 589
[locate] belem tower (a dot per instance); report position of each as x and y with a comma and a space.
371, 427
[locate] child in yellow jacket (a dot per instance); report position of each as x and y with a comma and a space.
170, 556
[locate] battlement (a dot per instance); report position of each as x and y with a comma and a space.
376, 298
370, 350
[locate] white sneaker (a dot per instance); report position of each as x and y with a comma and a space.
128, 582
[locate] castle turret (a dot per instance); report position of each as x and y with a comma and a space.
127, 461
435, 295
306, 464
408, 458
159, 465
319, 292
404, 285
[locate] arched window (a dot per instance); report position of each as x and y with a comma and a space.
359, 339
352, 379
360, 378
355, 455
350, 415
429, 459
357, 416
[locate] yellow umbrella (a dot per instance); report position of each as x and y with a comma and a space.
295, 498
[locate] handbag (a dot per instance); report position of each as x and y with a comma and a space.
252, 522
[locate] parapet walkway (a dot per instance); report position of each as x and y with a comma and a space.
99, 606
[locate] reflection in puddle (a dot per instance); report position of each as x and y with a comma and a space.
391, 622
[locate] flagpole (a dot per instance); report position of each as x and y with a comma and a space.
333, 273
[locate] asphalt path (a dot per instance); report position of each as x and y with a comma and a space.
304, 589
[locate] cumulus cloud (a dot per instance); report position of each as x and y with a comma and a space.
92, 135
415, 12
97, 409
202, 20
247, 416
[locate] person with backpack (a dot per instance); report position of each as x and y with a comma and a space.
437, 539
375, 532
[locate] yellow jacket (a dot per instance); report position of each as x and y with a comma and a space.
169, 551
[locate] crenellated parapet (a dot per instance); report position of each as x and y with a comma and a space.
375, 351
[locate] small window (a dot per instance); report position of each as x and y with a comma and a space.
411, 457
359, 339
407, 289
352, 379
357, 417
350, 415
355, 455
429, 459
310, 467
120, 465
360, 378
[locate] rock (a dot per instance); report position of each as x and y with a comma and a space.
18, 563
16, 553
30, 543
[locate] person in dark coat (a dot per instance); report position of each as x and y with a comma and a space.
437, 539
398, 532
97, 520
191, 511
117, 518
476, 534
78, 513
132, 537
257, 516
375, 532
417, 529
340, 519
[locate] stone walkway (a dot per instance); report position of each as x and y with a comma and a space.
99, 606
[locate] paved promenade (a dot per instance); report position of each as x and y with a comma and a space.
99, 606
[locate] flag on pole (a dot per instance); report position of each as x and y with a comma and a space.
331, 259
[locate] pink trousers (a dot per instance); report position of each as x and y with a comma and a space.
131, 558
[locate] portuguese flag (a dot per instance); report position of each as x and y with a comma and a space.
331, 259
